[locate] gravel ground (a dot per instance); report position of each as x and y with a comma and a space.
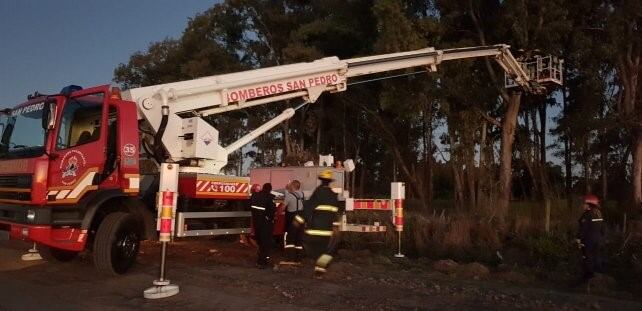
220, 275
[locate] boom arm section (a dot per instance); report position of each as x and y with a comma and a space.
186, 136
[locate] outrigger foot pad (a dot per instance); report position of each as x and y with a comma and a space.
32, 255
161, 289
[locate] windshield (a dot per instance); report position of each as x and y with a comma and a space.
23, 135
4, 114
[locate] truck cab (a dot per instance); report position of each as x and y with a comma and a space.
69, 173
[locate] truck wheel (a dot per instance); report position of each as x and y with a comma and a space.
51, 254
116, 243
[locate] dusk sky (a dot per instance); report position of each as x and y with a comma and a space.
45, 45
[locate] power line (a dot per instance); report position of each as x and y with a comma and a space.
388, 77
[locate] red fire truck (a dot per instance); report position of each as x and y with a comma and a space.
80, 170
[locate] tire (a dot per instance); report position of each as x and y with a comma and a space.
116, 243
51, 254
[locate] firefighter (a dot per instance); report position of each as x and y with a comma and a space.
320, 211
293, 198
263, 208
590, 237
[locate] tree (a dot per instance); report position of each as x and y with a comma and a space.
624, 28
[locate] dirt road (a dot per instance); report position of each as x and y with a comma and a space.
219, 275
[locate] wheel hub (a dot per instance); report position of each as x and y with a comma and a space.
128, 244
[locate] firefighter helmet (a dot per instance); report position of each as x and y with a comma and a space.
591, 199
325, 174
256, 188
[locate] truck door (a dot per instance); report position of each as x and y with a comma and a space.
79, 148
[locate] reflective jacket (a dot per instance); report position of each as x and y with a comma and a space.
262, 206
320, 211
591, 230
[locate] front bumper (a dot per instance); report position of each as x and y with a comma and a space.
44, 225
18, 214
72, 239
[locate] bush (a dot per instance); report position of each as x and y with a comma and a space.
548, 253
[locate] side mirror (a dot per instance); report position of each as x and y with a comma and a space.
49, 114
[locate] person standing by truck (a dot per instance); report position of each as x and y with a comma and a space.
293, 199
320, 211
263, 208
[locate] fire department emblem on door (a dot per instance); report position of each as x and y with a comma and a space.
70, 166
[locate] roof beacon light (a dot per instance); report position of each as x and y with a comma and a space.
115, 93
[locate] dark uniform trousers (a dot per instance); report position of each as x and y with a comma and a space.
591, 235
263, 234
262, 207
294, 235
321, 211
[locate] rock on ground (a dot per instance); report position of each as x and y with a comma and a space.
601, 283
473, 270
447, 266
512, 277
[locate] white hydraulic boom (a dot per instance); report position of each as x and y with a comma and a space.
175, 110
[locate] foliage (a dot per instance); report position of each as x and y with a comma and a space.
437, 131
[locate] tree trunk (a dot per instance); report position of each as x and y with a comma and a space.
471, 180
534, 159
343, 132
415, 183
543, 171
505, 167
542, 132
535, 147
353, 179
587, 169
483, 171
568, 166
455, 166
628, 66
287, 141
362, 181
637, 170
428, 158
458, 187
319, 128
603, 174
532, 170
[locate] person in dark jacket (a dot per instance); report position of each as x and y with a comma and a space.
320, 211
590, 237
263, 208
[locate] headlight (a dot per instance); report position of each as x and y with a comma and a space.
31, 215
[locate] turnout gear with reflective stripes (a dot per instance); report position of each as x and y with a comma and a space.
321, 210
294, 236
293, 239
299, 220
591, 238
591, 230
262, 207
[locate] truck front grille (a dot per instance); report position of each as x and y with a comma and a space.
15, 181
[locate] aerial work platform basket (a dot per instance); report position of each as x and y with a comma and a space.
546, 71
